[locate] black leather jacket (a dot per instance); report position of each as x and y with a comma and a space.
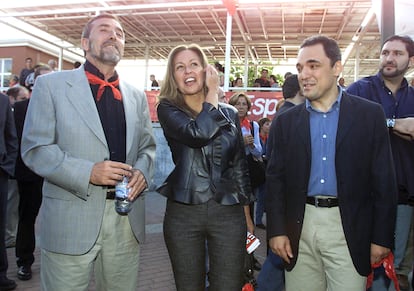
208, 153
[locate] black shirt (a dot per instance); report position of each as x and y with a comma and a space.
112, 115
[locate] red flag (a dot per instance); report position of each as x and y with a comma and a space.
230, 5
388, 264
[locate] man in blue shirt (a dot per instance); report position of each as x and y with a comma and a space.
331, 188
390, 89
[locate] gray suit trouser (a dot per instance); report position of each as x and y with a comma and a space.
113, 259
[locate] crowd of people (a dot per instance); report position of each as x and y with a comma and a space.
335, 198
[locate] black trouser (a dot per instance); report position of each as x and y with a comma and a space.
30, 200
186, 230
3, 209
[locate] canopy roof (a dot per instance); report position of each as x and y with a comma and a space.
264, 32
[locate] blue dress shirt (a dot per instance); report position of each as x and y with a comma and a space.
323, 128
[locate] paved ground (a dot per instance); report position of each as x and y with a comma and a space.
155, 270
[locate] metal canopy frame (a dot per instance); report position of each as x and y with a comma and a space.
262, 32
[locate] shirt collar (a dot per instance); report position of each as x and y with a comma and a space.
94, 70
404, 82
335, 105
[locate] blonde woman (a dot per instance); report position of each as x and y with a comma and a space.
209, 186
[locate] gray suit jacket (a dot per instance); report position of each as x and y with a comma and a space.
62, 139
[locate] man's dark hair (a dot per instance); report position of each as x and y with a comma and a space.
219, 67
88, 27
330, 46
290, 87
13, 92
405, 39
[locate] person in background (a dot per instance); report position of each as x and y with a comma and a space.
8, 153
238, 85
154, 82
14, 81
273, 82
256, 85
251, 138
30, 194
220, 69
85, 131
263, 80
390, 89
341, 82
331, 187
26, 71
52, 64
238, 82
208, 189
15, 94
39, 69
291, 94
264, 126
28, 83
287, 75
250, 131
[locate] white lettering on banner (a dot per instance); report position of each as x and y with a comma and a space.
264, 107
263, 104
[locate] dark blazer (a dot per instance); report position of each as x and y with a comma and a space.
208, 153
8, 138
367, 190
23, 173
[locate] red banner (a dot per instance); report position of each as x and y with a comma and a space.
263, 103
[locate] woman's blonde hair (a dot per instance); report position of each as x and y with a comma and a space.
169, 89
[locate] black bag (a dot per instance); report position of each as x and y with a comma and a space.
257, 171
249, 270
257, 168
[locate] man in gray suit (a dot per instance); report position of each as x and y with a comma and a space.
84, 131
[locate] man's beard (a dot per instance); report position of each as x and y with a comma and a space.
395, 73
105, 57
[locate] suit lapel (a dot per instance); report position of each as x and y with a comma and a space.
346, 121
303, 127
131, 114
80, 96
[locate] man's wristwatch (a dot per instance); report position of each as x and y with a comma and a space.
390, 122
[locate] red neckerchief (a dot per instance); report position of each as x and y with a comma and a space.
245, 123
95, 80
388, 263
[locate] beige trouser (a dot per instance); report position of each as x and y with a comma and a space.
114, 260
324, 262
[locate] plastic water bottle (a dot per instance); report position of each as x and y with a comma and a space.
122, 204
